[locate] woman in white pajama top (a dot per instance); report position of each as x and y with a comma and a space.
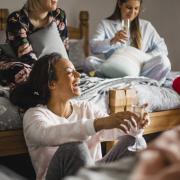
73, 129
109, 37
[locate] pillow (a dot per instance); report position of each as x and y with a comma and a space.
76, 53
9, 115
47, 40
7, 49
124, 62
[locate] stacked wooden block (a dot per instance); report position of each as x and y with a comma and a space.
122, 99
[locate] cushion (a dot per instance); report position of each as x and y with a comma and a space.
10, 117
47, 40
126, 61
7, 49
76, 53
176, 85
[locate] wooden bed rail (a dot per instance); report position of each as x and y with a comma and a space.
12, 143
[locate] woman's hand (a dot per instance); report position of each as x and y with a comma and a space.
128, 122
122, 120
120, 36
22, 75
24, 49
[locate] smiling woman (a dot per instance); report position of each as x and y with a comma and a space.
55, 123
110, 36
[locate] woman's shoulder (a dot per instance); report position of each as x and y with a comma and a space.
145, 23
39, 109
18, 18
18, 14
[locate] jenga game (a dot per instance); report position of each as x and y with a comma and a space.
122, 99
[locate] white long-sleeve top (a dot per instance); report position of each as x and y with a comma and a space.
152, 43
44, 131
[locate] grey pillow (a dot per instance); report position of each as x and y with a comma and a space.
47, 40
9, 115
76, 53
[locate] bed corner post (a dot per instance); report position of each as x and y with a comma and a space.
84, 28
3, 18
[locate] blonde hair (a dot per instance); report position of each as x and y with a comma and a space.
33, 5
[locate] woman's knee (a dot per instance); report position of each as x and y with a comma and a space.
67, 160
72, 151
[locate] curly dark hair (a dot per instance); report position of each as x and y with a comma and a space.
36, 89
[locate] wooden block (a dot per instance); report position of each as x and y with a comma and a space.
131, 97
117, 97
115, 109
128, 108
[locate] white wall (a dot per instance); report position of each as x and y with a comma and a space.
163, 14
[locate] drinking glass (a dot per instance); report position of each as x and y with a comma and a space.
125, 27
140, 142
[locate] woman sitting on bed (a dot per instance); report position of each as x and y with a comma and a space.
110, 36
35, 15
56, 122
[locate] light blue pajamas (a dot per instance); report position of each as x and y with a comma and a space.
156, 68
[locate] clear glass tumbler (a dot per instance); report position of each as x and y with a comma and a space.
140, 142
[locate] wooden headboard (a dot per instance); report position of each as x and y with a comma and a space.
80, 32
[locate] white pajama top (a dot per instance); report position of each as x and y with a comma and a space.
44, 131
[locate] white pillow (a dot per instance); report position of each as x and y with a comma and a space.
126, 61
47, 40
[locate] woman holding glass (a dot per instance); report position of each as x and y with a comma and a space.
111, 35
63, 134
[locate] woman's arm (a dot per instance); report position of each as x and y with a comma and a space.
108, 37
100, 43
156, 44
17, 37
40, 128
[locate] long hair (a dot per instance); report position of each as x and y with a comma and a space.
36, 89
33, 5
134, 28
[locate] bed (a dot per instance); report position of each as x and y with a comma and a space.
111, 94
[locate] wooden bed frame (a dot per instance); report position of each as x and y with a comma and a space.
12, 141
122, 100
